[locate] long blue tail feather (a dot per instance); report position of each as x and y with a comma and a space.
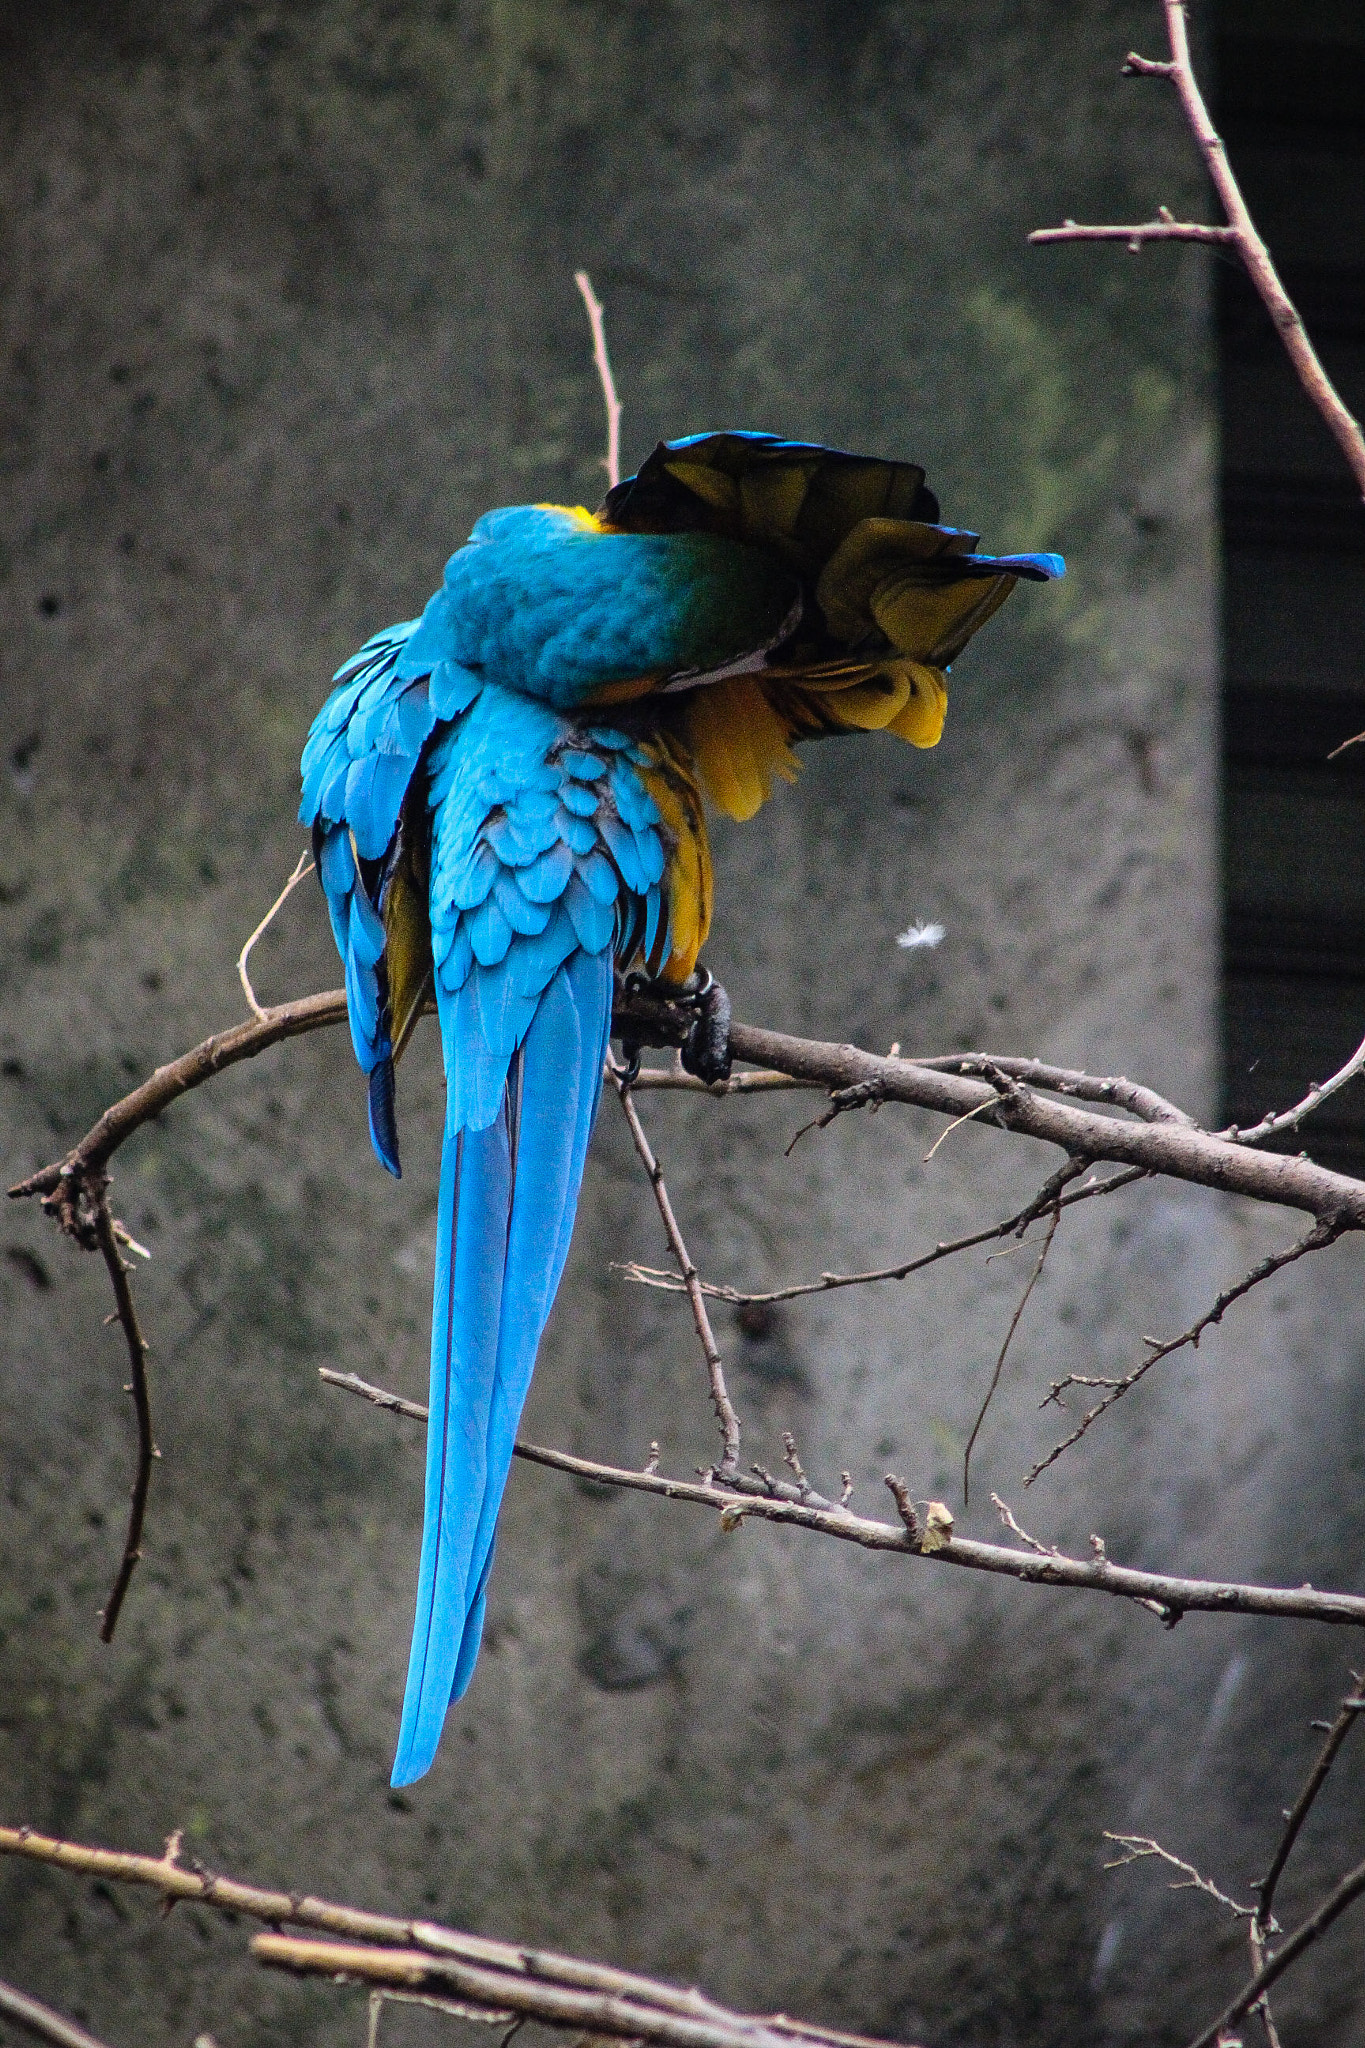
502, 1237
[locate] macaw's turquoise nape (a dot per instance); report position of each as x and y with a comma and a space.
507, 799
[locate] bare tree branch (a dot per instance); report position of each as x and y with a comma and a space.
41, 2020
559, 1990
1179, 1150
669, 1283
1318, 1092
1165, 228
742, 1497
1241, 234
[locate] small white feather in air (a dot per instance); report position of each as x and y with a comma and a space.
921, 933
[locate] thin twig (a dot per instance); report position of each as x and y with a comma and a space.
772, 1500
1007, 1516
494, 1975
726, 1416
304, 866
602, 361
351, 1383
117, 1267
679, 1081
1136, 1847
669, 1283
1241, 233
1289, 1951
1142, 1102
1034, 1277
1318, 1092
1165, 228
40, 2019
1316, 1239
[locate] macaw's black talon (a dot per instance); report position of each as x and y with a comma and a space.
706, 1049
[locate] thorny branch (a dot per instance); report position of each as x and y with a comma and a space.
1316, 1239
762, 1497
494, 1976
1240, 234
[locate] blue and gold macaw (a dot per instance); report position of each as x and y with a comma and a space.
507, 802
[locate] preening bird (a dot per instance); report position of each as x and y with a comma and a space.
508, 801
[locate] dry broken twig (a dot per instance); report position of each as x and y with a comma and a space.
303, 866
763, 1497
1316, 1239
1240, 234
496, 1976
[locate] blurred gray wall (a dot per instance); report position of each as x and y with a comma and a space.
287, 302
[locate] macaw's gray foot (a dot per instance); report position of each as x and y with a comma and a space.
705, 1012
706, 1049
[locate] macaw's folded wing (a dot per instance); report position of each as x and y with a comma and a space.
790, 495
889, 598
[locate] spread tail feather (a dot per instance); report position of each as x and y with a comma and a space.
504, 1220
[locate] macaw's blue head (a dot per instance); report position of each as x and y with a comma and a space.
545, 599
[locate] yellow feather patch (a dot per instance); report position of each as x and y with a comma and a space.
926, 706
688, 881
740, 743
580, 514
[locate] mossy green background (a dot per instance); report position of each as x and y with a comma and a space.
288, 302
